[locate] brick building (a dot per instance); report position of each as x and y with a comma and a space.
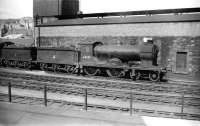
177, 35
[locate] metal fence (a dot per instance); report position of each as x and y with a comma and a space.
45, 86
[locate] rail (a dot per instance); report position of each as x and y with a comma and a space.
63, 85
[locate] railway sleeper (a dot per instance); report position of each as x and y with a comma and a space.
154, 100
193, 116
100, 107
63, 104
113, 108
124, 109
165, 113
147, 111
181, 115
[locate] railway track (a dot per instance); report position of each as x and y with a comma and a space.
149, 95
152, 99
138, 96
169, 81
167, 87
101, 107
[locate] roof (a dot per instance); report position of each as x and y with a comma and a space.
124, 20
148, 16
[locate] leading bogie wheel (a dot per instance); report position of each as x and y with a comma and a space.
91, 71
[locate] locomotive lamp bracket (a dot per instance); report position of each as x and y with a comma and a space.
164, 70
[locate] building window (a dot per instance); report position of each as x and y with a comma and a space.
181, 62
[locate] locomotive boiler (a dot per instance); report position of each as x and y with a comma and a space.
127, 53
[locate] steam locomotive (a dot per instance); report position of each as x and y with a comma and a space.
133, 61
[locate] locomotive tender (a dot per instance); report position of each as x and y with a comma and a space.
134, 61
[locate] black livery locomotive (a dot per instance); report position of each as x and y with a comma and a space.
133, 61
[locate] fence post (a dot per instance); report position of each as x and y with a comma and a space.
45, 95
85, 106
9, 92
131, 103
182, 102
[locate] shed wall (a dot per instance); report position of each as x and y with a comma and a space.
140, 29
170, 37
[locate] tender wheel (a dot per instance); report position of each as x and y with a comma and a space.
5, 63
114, 72
15, 64
9, 63
91, 71
1, 63
27, 65
43, 66
55, 67
136, 76
70, 69
18, 64
154, 76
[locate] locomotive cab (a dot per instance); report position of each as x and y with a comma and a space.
149, 53
87, 51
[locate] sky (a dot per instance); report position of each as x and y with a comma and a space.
15, 8
23, 8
